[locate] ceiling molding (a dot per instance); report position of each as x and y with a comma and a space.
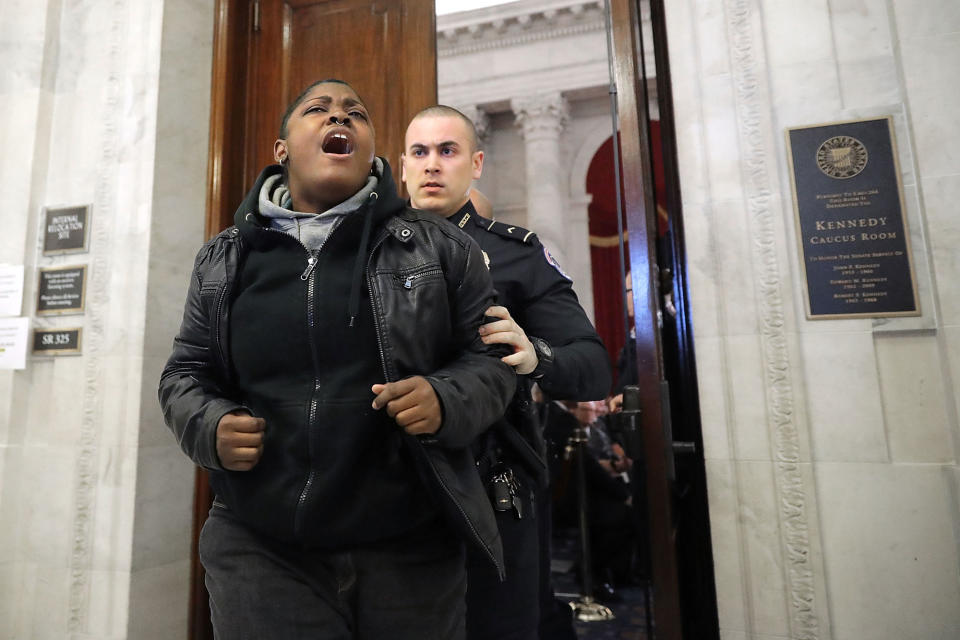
515, 24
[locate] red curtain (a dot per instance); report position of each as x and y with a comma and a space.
604, 248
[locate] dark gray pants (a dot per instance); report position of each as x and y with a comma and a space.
409, 589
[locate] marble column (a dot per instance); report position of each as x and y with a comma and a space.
541, 119
481, 122
577, 260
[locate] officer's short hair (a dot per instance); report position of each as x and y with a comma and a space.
444, 110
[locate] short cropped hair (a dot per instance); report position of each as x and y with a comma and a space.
303, 95
439, 110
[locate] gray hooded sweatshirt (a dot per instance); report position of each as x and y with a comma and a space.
311, 229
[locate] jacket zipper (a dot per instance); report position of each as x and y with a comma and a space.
311, 421
377, 307
221, 295
311, 263
313, 257
408, 281
376, 302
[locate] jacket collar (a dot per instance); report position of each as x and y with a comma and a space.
251, 223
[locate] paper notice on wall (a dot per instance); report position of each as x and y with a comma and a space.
11, 290
13, 342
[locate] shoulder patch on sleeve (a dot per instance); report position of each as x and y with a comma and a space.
511, 231
556, 265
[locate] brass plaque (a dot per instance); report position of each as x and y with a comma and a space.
61, 290
57, 342
851, 223
66, 229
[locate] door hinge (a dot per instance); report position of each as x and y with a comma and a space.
256, 15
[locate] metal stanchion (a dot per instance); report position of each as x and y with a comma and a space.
585, 609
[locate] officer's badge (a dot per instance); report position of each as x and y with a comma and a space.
556, 265
486, 259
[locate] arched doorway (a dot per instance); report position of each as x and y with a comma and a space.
604, 244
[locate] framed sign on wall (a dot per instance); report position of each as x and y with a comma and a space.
61, 290
57, 342
851, 228
66, 229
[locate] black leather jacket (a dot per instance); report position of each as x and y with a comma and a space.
472, 384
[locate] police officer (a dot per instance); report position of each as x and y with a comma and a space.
554, 345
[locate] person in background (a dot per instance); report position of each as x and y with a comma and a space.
613, 518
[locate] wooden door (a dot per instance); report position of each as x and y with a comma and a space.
684, 600
265, 53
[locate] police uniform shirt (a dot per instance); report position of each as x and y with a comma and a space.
540, 298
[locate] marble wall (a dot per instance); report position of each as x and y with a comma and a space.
831, 445
105, 104
162, 523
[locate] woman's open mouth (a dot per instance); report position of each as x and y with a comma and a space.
338, 143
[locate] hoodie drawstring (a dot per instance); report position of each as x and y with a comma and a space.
357, 281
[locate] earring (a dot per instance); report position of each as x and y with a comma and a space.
283, 160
